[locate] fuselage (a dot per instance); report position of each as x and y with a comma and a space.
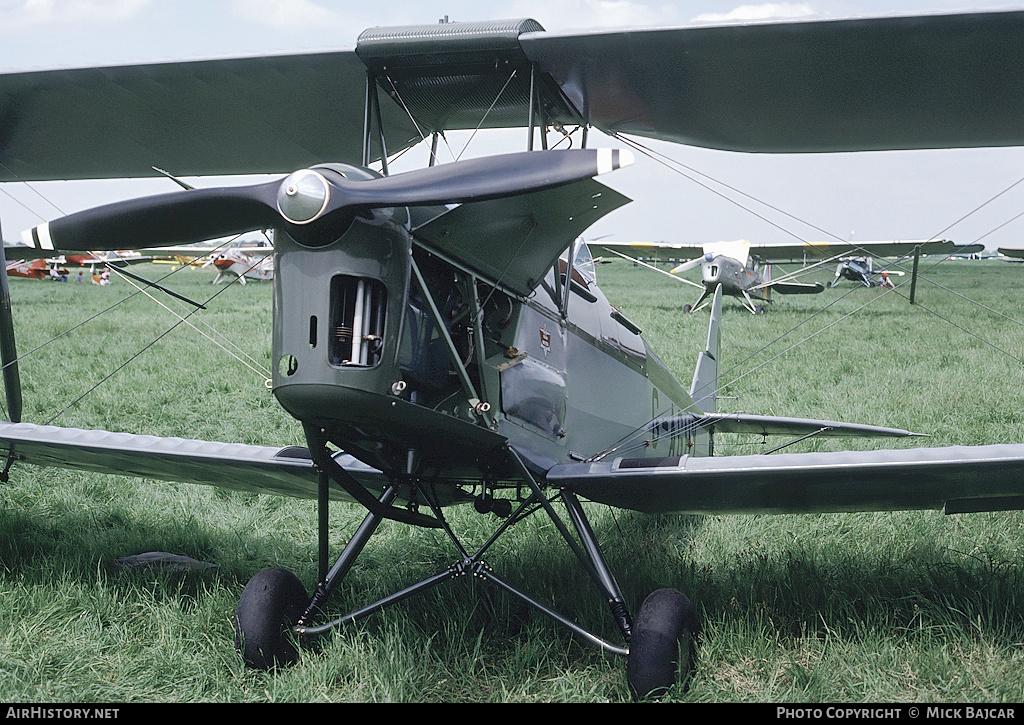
395, 352
735, 277
855, 271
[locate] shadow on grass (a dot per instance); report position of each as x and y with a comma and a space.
38, 548
802, 590
796, 592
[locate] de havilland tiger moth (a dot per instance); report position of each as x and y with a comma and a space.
433, 336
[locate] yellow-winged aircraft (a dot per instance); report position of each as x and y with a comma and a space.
431, 336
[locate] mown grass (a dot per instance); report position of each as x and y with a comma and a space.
909, 606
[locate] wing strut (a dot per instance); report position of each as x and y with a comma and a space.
704, 387
913, 276
8, 350
326, 464
371, 112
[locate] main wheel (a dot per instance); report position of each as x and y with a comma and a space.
662, 644
270, 605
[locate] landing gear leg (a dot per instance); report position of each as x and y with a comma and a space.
660, 642
662, 639
275, 601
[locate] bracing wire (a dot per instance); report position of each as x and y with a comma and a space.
253, 365
675, 166
131, 358
102, 312
637, 438
223, 343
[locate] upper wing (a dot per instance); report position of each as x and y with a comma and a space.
878, 83
270, 114
958, 479
817, 251
842, 85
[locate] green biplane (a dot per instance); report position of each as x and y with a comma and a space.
433, 334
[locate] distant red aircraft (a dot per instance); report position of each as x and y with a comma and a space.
36, 269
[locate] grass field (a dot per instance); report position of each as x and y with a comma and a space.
899, 607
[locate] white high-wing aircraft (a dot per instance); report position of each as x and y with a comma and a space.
744, 269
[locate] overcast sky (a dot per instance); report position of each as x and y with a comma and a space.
865, 196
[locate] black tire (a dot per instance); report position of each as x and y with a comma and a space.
662, 644
270, 605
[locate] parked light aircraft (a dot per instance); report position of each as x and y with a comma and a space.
45, 266
861, 269
242, 259
744, 269
729, 265
430, 334
36, 269
856, 269
243, 264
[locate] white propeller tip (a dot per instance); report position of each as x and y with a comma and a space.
38, 237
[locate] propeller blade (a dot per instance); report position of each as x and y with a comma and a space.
175, 218
687, 266
489, 177
314, 203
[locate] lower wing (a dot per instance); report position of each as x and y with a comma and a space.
958, 479
256, 469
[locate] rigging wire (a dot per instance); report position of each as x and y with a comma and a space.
671, 164
181, 320
89, 319
138, 353
677, 167
487, 113
31, 188
227, 345
253, 365
639, 433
